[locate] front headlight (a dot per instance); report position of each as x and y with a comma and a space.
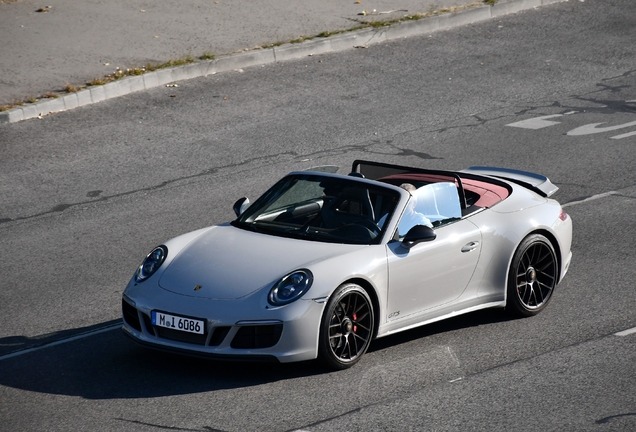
151, 264
290, 287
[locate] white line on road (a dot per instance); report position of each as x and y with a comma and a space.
61, 341
628, 134
626, 332
592, 198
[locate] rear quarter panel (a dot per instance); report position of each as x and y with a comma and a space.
503, 228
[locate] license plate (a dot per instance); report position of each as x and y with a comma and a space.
177, 322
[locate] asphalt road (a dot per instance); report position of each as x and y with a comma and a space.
86, 193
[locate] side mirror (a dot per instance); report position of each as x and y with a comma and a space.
418, 234
240, 206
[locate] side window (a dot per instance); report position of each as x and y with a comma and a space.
431, 205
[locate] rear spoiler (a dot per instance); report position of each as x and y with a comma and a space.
535, 182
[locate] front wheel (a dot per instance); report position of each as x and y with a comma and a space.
347, 327
532, 276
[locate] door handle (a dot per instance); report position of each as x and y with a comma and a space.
470, 246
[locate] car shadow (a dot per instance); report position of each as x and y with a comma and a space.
108, 365
13, 344
473, 319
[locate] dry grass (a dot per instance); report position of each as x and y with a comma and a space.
121, 73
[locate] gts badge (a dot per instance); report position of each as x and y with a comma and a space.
394, 314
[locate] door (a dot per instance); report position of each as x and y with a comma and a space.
432, 273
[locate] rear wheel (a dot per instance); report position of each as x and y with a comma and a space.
532, 276
346, 328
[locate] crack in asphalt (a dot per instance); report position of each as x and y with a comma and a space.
137, 422
610, 418
605, 106
269, 159
406, 394
623, 75
61, 207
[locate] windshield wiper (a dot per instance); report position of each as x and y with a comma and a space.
249, 226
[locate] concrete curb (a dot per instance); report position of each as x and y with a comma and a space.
290, 51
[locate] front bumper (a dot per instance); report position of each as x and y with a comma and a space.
235, 330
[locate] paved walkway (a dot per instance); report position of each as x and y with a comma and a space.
46, 45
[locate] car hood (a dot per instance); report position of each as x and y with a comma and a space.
227, 263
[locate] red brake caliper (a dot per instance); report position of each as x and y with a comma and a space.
355, 327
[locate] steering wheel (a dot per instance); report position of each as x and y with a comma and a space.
370, 225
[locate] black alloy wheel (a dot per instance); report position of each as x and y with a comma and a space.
532, 277
346, 328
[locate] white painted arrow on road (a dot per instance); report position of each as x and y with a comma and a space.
593, 129
588, 129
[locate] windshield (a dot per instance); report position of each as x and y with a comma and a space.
322, 208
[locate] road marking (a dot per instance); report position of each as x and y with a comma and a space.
628, 134
588, 129
536, 123
539, 122
626, 332
593, 129
61, 341
592, 198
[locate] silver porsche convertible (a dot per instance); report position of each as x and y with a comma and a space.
321, 264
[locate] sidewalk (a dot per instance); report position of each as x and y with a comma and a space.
71, 42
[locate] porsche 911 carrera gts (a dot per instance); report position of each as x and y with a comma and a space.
322, 263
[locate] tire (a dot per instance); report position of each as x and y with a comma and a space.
532, 276
346, 329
